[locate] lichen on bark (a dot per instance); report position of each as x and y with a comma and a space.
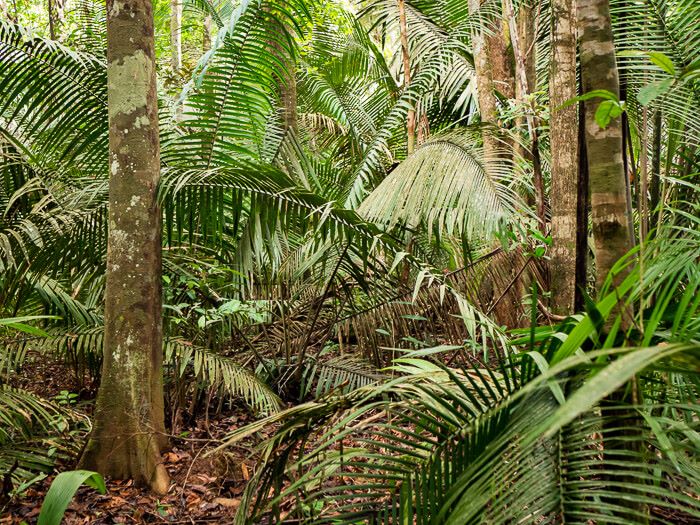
129, 429
564, 193
608, 188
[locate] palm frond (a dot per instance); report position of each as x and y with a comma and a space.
36, 434
445, 183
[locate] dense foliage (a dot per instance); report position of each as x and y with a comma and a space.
397, 300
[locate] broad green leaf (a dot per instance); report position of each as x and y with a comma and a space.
607, 110
653, 90
662, 437
596, 93
27, 329
663, 61
543, 365
602, 384
61, 493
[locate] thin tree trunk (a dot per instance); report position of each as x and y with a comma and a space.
129, 428
612, 234
288, 96
524, 83
655, 169
406, 59
52, 19
206, 36
56, 17
642, 197
501, 57
483, 71
175, 35
583, 206
609, 202
287, 83
565, 163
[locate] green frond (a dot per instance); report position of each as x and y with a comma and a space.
445, 184
221, 373
232, 97
55, 99
444, 446
35, 434
342, 373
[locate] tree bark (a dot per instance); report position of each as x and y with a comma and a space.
642, 188
564, 151
56, 17
500, 56
52, 20
655, 170
406, 60
612, 234
525, 81
128, 432
206, 36
583, 206
485, 89
175, 35
609, 203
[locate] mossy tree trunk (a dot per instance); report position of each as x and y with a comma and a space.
522, 37
564, 150
608, 188
128, 432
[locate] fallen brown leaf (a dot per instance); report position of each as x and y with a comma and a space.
229, 503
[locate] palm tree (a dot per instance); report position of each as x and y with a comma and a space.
281, 240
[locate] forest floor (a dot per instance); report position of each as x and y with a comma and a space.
202, 489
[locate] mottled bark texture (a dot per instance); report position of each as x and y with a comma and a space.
128, 432
175, 35
564, 152
406, 60
501, 57
655, 171
609, 204
493, 69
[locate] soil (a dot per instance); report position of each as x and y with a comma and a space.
204, 488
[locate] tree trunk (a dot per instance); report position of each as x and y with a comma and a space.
56, 17
175, 35
583, 207
52, 20
609, 202
483, 71
288, 97
500, 56
613, 237
642, 188
206, 36
128, 433
525, 81
406, 59
655, 170
564, 150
